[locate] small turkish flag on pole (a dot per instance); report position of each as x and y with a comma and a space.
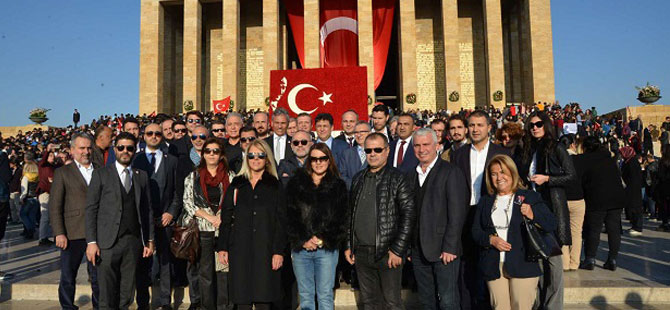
220, 106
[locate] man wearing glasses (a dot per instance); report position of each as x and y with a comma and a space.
246, 135
354, 159
218, 129
179, 130
198, 136
193, 119
382, 219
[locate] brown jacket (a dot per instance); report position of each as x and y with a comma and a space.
67, 202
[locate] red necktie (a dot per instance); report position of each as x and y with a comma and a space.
400, 154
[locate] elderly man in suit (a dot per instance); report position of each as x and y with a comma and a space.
353, 159
67, 206
119, 227
472, 159
401, 155
440, 200
161, 168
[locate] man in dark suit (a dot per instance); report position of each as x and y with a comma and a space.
166, 205
324, 130
440, 200
279, 141
401, 155
353, 159
349, 121
472, 159
119, 227
67, 206
76, 117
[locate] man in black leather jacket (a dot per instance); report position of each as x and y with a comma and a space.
382, 220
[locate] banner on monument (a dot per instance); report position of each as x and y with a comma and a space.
324, 90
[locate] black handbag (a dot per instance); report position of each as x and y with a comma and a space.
539, 244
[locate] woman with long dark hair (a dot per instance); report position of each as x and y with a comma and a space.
631, 174
204, 190
316, 210
547, 168
576, 205
662, 190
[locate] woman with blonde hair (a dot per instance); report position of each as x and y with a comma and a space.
497, 229
252, 237
31, 206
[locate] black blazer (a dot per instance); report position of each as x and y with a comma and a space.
162, 182
409, 160
103, 206
461, 158
271, 142
515, 264
442, 211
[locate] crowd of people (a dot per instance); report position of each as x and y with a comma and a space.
285, 209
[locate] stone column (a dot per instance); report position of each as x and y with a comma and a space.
366, 56
151, 58
495, 62
271, 47
192, 89
541, 49
452, 63
407, 44
231, 45
312, 40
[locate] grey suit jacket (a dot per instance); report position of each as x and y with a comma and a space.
104, 206
67, 202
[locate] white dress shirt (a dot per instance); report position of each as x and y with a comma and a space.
87, 173
424, 175
477, 167
158, 156
532, 170
119, 170
399, 145
279, 147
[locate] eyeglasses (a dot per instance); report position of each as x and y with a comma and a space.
318, 159
361, 132
257, 155
152, 133
538, 124
201, 136
194, 120
218, 130
247, 139
129, 148
377, 150
183, 130
298, 142
212, 151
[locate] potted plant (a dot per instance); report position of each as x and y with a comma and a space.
648, 94
39, 115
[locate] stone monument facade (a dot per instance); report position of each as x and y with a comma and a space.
450, 53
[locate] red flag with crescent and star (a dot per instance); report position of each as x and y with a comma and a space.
326, 90
220, 106
338, 33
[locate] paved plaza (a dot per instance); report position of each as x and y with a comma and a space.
641, 281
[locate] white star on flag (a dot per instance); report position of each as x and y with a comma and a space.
326, 98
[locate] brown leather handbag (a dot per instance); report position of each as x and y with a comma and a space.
185, 242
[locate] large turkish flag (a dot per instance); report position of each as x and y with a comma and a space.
338, 25
314, 91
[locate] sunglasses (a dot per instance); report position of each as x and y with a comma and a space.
299, 142
129, 148
318, 159
153, 133
218, 130
377, 150
202, 137
257, 155
183, 130
538, 124
212, 151
197, 121
248, 139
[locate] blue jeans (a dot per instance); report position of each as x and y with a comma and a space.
29, 214
315, 272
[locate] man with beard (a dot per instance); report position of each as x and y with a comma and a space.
261, 123
218, 129
119, 226
380, 116
300, 145
458, 131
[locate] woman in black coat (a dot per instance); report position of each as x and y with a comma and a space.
317, 217
662, 190
631, 174
252, 236
603, 193
497, 229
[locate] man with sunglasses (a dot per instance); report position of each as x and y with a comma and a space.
179, 130
353, 159
472, 159
382, 220
161, 168
247, 135
198, 136
279, 141
119, 226
193, 119
300, 145
218, 129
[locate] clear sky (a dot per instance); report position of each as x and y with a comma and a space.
85, 54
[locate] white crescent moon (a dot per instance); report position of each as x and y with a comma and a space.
294, 93
219, 107
335, 24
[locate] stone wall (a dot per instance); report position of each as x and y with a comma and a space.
251, 55
429, 56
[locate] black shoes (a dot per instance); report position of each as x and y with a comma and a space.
588, 264
46, 242
610, 264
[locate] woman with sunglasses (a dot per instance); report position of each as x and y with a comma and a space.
204, 189
547, 169
252, 237
316, 210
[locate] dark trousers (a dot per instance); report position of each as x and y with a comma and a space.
116, 272
157, 266
437, 283
193, 275
70, 260
380, 286
255, 306
474, 293
635, 217
593, 223
289, 289
213, 285
4, 213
